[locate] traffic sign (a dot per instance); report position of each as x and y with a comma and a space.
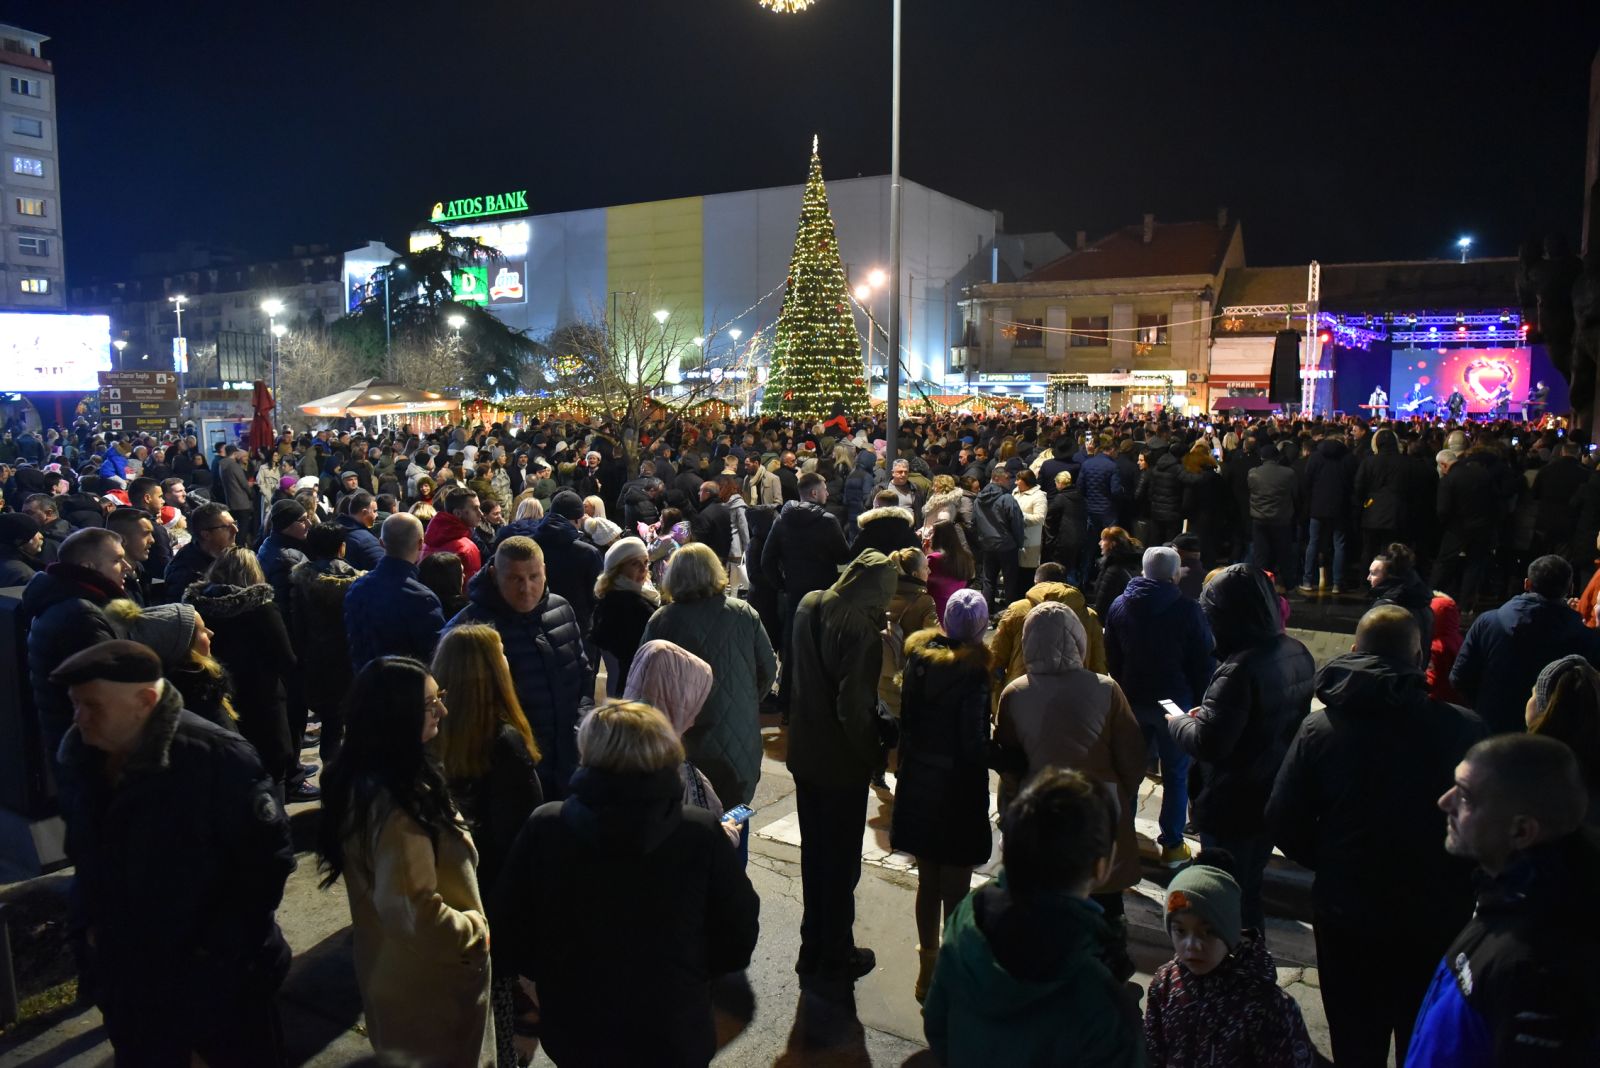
137, 378
143, 423
168, 392
148, 409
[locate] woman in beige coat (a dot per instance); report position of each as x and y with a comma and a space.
410, 871
1061, 713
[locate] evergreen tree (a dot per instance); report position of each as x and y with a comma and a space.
816, 352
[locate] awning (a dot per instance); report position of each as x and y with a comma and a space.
372, 397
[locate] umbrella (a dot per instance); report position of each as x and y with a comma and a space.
261, 424
374, 397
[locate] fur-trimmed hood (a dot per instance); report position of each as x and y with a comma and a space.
216, 600
891, 512
941, 650
936, 501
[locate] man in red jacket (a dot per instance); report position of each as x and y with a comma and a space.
450, 531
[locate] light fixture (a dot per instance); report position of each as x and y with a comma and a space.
662, 316
877, 277
786, 7
119, 345
457, 321
698, 341
278, 330
863, 292
272, 306
736, 333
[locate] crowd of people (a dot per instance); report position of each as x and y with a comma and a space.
533, 662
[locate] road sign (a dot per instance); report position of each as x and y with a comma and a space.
168, 392
147, 409
143, 423
137, 378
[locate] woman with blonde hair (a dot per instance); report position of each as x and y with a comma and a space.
423, 511
182, 640
489, 758
594, 507
624, 895
625, 598
528, 507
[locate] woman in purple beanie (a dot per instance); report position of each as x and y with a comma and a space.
941, 803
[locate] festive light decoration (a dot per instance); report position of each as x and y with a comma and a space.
786, 7
816, 352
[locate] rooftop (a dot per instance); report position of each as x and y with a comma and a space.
1146, 250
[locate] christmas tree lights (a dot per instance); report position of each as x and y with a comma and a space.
816, 352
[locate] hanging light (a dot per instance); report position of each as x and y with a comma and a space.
786, 7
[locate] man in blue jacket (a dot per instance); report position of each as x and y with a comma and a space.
1516, 986
1505, 649
1158, 647
388, 611
358, 512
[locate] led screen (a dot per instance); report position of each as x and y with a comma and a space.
44, 353
1480, 374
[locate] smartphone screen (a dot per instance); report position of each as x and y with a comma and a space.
739, 814
1171, 708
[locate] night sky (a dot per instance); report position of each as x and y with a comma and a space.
1341, 132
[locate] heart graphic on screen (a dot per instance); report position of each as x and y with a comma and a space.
1486, 377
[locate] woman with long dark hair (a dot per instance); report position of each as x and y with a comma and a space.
409, 866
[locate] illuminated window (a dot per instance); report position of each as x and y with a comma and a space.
29, 245
35, 285
1030, 334
27, 127
25, 86
1090, 331
30, 206
27, 165
1152, 330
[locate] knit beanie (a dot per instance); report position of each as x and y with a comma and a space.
1546, 683
567, 504
966, 616
17, 527
166, 628
601, 531
1210, 893
1161, 563
624, 549
284, 514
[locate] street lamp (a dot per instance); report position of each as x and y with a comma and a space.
863, 291
457, 322
1463, 243
119, 345
274, 308
892, 414
181, 347
662, 317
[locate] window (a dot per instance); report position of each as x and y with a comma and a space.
29, 245
25, 86
30, 206
1152, 330
27, 127
27, 165
35, 285
1090, 331
1029, 334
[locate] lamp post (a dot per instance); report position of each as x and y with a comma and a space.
789, 7
120, 344
1464, 244
863, 293
178, 301
274, 308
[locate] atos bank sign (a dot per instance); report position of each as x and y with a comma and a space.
477, 207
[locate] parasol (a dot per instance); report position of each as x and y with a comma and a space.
374, 397
261, 434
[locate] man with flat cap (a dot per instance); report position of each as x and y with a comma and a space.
183, 854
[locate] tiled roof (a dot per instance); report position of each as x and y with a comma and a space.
1174, 248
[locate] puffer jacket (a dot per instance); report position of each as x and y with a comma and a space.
548, 668
725, 741
838, 656
389, 612
1444, 648
1162, 487
1005, 648
859, 486
1381, 487
1505, 649
885, 529
277, 556
61, 614
1101, 485
317, 590
804, 551
997, 520
572, 566
1273, 491
448, 534
1158, 646
1329, 480
363, 549
1257, 699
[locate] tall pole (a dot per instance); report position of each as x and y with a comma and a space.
892, 433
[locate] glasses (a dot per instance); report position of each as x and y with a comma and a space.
221, 526
436, 702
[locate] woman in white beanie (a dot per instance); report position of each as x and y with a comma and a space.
625, 600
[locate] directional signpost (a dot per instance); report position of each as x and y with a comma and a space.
140, 400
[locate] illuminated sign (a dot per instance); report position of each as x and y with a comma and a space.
43, 352
477, 207
504, 281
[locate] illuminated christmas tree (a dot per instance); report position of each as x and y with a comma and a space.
816, 352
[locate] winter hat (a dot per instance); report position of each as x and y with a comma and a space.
1546, 683
17, 527
624, 549
307, 482
166, 628
1212, 894
1162, 563
567, 504
601, 531
966, 616
284, 514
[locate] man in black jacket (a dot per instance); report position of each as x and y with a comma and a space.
1471, 506
1557, 489
213, 529
997, 523
1328, 485
803, 553
1356, 802
186, 968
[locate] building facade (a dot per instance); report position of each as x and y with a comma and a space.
32, 273
1125, 320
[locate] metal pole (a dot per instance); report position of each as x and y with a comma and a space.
386, 336
893, 357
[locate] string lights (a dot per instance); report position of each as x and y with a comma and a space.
816, 352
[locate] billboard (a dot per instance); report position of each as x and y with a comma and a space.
1481, 375
502, 281
41, 352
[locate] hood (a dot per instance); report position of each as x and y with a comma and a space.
990, 491
936, 501
1070, 596
1410, 593
1167, 462
671, 679
216, 600
943, 651
443, 530
331, 577
1528, 609
1014, 956
630, 814
81, 510
1446, 621
1242, 609
867, 460
1332, 449
892, 512
1053, 640
868, 584
1365, 684
1151, 595
803, 513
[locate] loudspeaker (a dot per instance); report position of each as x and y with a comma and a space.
1284, 387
